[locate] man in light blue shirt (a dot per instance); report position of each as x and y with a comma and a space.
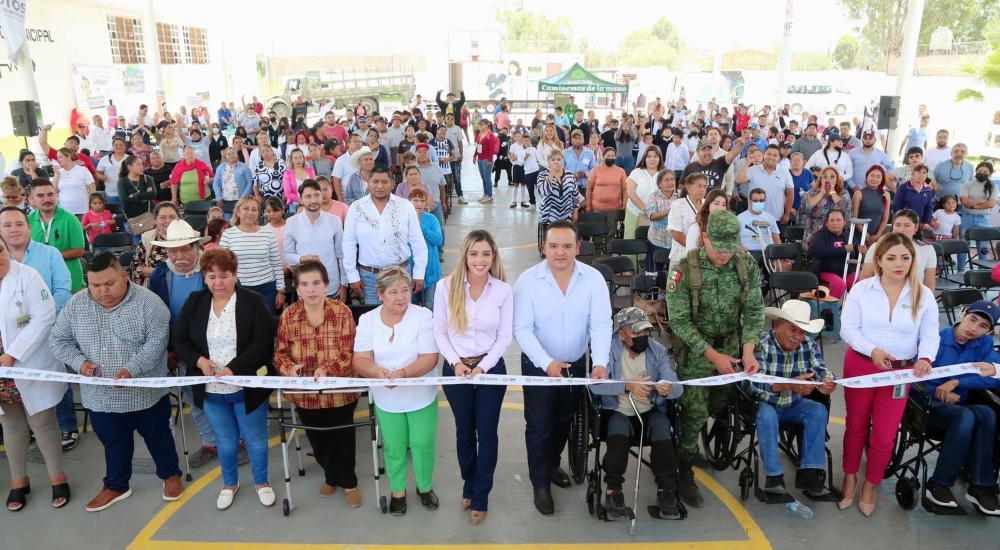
579, 160
316, 235
49, 263
864, 157
917, 136
951, 176
560, 306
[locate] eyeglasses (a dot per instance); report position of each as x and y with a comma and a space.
829, 176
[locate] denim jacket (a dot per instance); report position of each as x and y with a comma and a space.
657, 367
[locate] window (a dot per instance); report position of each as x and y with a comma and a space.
196, 45
125, 34
169, 42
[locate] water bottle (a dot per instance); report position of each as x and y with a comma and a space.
801, 509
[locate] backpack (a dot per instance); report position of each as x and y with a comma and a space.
693, 275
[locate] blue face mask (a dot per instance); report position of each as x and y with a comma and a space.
184, 131
757, 207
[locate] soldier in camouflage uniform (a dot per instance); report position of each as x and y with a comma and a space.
716, 311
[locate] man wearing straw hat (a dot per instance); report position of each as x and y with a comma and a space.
788, 351
173, 281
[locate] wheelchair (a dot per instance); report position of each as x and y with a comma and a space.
587, 432
915, 432
739, 421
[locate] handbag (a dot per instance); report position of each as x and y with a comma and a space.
137, 225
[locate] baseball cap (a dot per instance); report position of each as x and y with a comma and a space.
705, 144
724, 231
634, 318
834, 134
868, 133
983, 307
423, 146
362, 118
754, 126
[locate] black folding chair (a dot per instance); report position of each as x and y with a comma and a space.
981, 235
198, 223
945, 250
115, 243
661, 258
591, 217
623, 269
608, 274
197, 208
981, 280
594, 232
952, 299
789, 284
793, 234
642, 232
588, 253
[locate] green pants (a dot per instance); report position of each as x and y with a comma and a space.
631, 222
699, 402
416, 430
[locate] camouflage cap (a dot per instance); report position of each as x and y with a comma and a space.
724, 231
632, 317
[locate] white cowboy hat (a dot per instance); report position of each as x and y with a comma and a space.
179, 233
356, 157
798, 313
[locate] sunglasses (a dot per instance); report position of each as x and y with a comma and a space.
829, 176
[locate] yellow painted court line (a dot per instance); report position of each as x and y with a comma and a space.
144, 540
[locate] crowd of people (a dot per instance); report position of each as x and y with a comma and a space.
356, 213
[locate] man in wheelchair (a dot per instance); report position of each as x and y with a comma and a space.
969, 430
636, 358
787, 351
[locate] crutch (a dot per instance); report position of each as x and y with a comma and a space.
287, 504
378, 460
863, 222
638, 467
762, 229
184, 441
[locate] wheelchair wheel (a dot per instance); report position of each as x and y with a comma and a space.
541, 235
285, 507
899, 450
720, 440
906, 492
746, 483
592, 498
578, 444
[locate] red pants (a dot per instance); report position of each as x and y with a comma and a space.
836, 283
873, 417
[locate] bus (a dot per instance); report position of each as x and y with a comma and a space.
818, 99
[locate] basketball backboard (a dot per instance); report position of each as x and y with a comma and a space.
472, 46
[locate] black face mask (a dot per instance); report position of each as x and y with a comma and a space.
272, 119
609, 162
639, 343
982, 178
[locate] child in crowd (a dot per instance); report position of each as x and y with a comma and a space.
949, 222
431, 228
215, 213
214, 230
97, 221
530, 160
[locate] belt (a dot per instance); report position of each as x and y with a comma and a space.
720, 342
377, 270
472, 361
893, 363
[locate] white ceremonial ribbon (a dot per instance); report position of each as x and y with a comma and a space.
882, 379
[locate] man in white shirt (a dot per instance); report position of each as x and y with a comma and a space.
776, 183
457, 138
100, 137
749, 220
342, 167
380, 231
418, 103
939, 154
560, 305
678, 155
316, 235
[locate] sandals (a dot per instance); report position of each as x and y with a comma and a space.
428, 500
60, 491
397, 505
17, 497
477, 516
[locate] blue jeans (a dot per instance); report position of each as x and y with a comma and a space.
811, 415
456, 175
227, 413
426, 296
974, 220
116, 432
626, 163
968, 440
66, 414
477, 416
269, 291
485, 169
368, 280
201, 422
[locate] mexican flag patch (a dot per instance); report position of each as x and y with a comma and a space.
673, 279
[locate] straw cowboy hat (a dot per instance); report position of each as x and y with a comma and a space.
356, 157
798, 313
179, 233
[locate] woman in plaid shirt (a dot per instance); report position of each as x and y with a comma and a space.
316, 338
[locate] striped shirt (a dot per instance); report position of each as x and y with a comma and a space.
776, 362
559, 199
132, 335
260, 262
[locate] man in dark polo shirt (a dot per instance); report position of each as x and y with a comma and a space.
713, 168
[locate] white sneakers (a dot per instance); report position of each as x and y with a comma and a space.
225, 499
461, 200
485, 199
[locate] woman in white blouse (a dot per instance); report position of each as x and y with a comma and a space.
640, 184
473, 327
396, 340
227, 331
73, 183
549, 142
908, 223
890, 321
684, 214
257, 248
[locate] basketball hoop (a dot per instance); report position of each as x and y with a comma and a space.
475, 58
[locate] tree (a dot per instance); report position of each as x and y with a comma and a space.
986, 71
966, 19
642, 48
880, 25
846, 52
664, 30
524, 31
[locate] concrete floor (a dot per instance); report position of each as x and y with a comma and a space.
144, 521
